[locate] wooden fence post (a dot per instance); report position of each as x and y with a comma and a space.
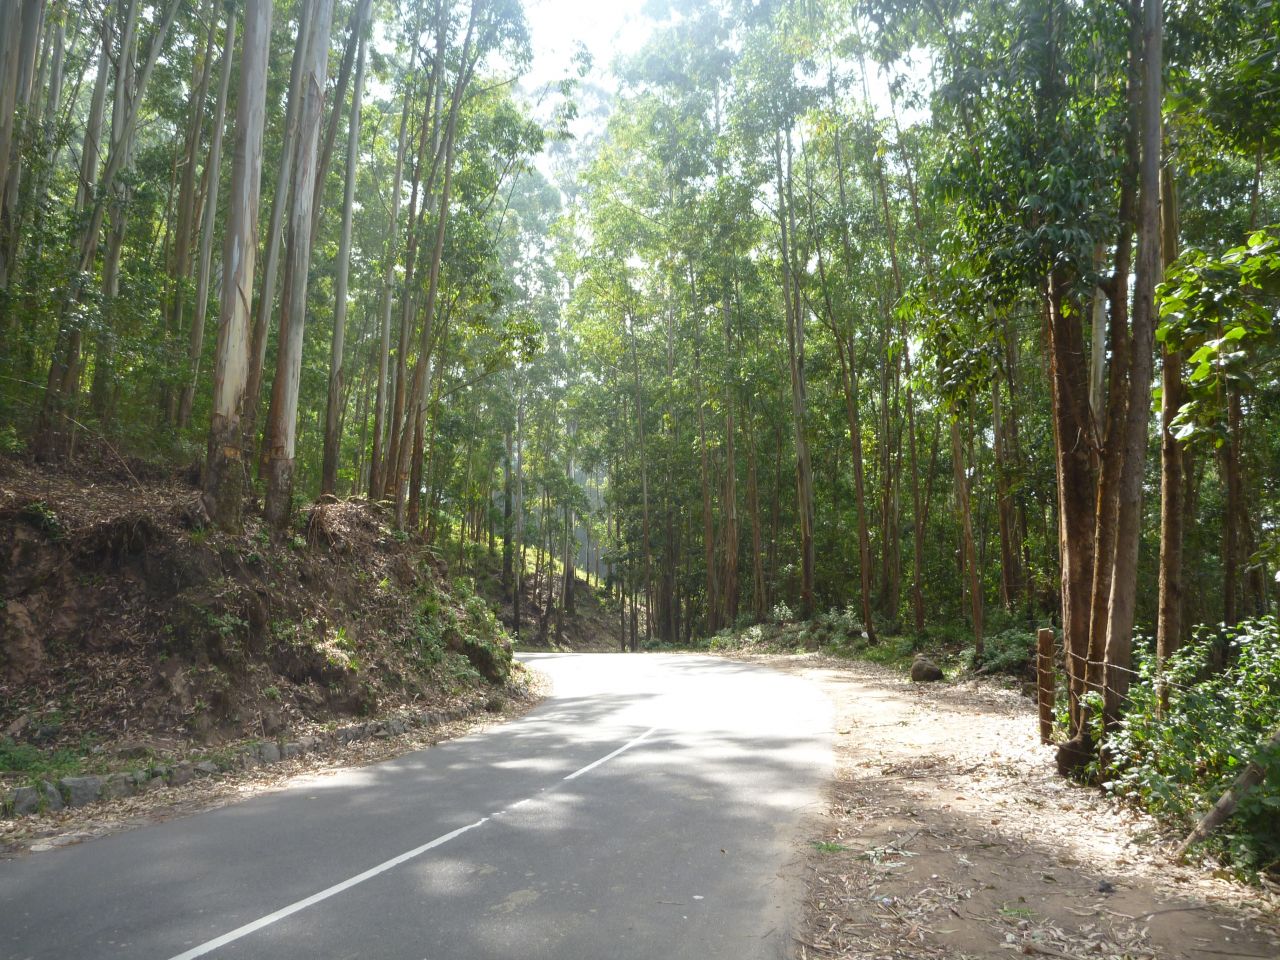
1045, 681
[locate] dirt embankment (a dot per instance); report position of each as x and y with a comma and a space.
126, 625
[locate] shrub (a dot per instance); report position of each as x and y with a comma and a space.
1177, 760
1009, 651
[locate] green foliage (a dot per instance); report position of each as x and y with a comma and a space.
41, 516
1009, 651
34, 763
1175, 761
1223, 311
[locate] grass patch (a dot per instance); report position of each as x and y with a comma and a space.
37, 764
829, 846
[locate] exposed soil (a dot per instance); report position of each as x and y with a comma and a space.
949, 835
129, 629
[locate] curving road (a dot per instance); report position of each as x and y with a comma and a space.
651, 808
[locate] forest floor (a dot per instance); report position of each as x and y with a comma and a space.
949, 835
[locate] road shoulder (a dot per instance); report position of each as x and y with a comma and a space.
948, 834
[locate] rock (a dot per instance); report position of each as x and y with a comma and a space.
118, 785
52, 798
396, 728
269, 752
309, 744
206, 768
25, 801
924, 670
291, 750
44, 797
80, 790
181, 773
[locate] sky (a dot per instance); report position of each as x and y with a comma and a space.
605, 27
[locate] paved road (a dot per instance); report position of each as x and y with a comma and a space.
652, 808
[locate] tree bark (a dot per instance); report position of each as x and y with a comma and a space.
275, 235
282, 425
225, 478
332, 429
1169, 630
1124, 581
214, 171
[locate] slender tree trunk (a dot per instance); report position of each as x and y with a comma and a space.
968, 553
1169, 630
275, 232
1124, 583
332, 429
225, 477
283, 420
799, 399
759, 609
376, 471
1073, 433
214, 170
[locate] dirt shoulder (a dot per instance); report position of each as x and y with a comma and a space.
948, 835
36, 834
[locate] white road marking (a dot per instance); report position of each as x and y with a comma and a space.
239, 932
609, 756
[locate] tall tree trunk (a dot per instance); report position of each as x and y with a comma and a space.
188, 225
282, 423
225, 477
799, 394
729, 506
1169, 629
332, 429
19, 45
1124, 582
1073, 436
214, 171
377, 464
275, 232
759, 609
968, 554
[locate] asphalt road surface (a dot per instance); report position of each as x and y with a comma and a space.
653, 807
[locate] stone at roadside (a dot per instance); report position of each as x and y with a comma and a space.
117, 785
25, 800
291, 750
269, 752
206, 768
924, 670
80, 790
180, 774
52, 798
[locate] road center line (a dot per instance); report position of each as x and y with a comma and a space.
609, 756
239, 932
